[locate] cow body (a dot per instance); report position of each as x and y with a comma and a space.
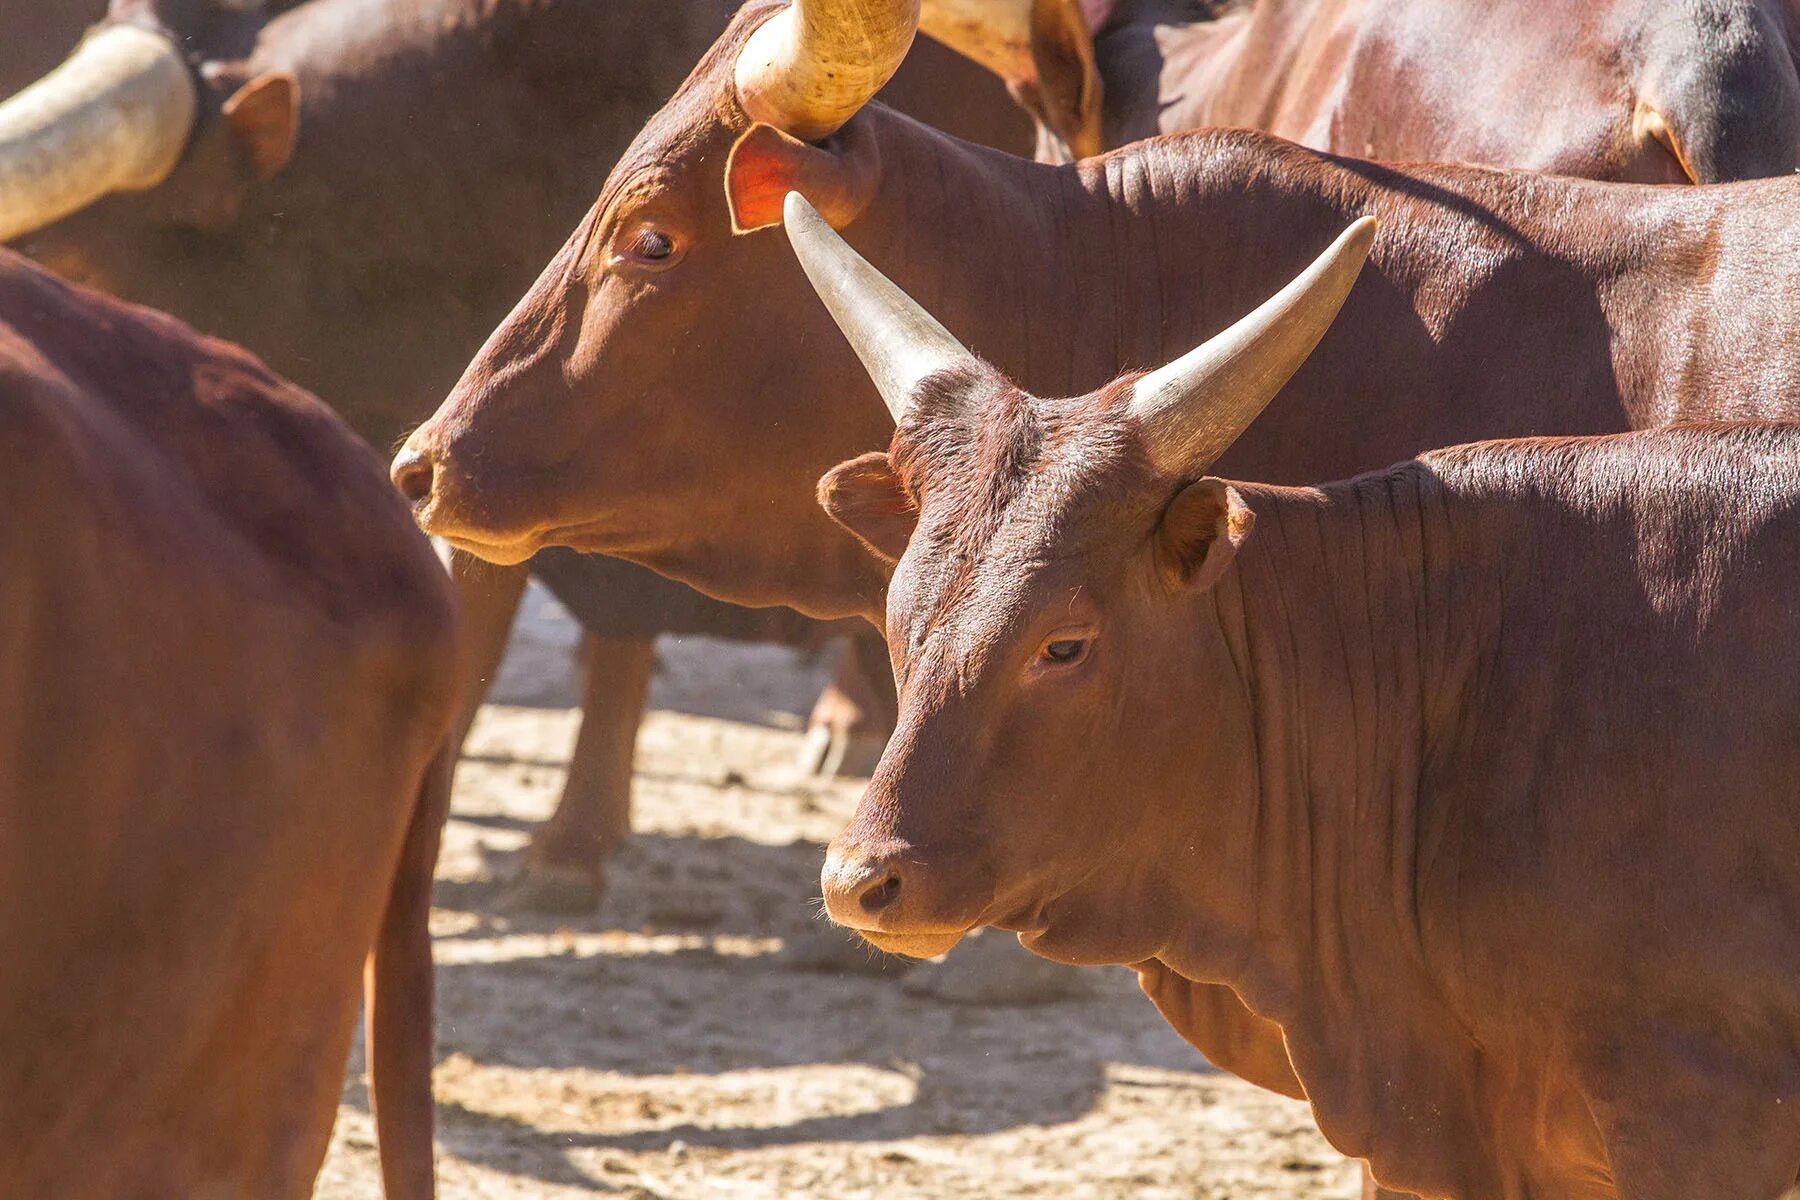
1451, 775
1583, 748
1446, 771
1498, 304
1704, 91
228, 668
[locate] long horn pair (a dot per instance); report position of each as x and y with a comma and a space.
810, 67
1188, 412
114, 117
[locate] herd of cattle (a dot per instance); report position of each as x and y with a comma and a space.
1459, 798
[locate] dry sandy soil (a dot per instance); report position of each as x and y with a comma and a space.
664, 1047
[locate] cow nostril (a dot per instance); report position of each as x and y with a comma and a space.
412, 474
881, 895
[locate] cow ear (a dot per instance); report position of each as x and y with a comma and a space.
1065, 97
1200, 532
264, 119
866, 497
838, 176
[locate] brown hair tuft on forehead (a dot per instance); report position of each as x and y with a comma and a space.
973, 446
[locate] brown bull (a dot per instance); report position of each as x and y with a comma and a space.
226, 687
1452, 770
1644, 90
357, 190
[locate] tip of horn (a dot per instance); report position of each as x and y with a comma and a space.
798, 213
1360, 236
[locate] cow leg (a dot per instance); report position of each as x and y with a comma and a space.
565, 865
855, 713
489, 599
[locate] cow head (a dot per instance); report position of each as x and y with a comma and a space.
154, 99
1072, 725
670, 330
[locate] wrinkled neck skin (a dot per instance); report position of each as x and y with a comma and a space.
1304, 880
1349, 670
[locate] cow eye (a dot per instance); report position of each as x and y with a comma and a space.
1065, 651
652, 245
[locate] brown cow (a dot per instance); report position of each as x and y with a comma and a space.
1504, 304
1641, 90
311, 212
1449, 770
227, 682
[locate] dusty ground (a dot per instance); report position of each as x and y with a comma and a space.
663, 1049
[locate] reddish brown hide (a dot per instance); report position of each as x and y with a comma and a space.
1638, 90
226, 691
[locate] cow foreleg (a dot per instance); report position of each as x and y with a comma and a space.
488, 597
565, 865
1215, 1021
855, 714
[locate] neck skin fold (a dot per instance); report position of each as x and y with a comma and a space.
1356, 658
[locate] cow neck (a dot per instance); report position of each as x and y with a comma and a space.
1353, 663
1066, 277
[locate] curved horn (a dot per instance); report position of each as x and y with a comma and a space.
807, 69
1193, 409
115, 116
899, 342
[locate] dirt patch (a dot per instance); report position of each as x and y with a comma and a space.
665, 1048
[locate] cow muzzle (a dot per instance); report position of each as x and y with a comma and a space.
413, 474
889, 898
442, 509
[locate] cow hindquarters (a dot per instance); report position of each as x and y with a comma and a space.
397, 999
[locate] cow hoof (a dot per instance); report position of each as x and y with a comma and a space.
835, 754
551, 890
822, 947
991, 968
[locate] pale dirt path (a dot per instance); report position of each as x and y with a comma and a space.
659, 1049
